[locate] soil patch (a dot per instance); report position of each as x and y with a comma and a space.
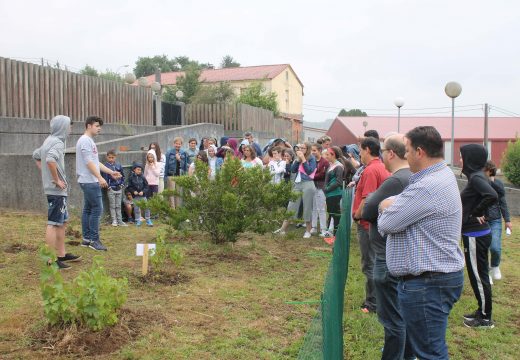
70, 231
19, 247
79, 340
73, 243
163, 278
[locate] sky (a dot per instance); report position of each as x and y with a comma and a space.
348, 54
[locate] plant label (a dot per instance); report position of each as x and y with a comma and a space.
139, 249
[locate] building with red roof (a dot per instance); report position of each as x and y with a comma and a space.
347, 130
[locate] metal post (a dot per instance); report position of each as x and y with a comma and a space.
399, 119
158, 101
486, 111
452, 131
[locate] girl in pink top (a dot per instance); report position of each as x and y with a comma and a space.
152, 172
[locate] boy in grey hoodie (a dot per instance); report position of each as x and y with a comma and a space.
52, 152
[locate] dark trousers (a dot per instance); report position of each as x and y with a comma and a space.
334, 210
397, 345
476, 253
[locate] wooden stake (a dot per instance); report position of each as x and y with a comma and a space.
145, 259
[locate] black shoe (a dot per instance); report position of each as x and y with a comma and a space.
474, 315
85, 243
61, 265
69, 257
479, 323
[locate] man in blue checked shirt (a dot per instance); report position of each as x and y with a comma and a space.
423, 226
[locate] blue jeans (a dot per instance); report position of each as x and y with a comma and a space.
92, 210
397, 346
425, 304
496, 241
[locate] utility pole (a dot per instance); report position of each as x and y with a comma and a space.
486, 112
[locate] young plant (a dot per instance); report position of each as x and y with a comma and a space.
164, 251
92, 299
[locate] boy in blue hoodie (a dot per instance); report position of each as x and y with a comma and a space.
55, 186
114, 188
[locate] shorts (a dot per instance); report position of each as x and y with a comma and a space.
57, 213
127, 201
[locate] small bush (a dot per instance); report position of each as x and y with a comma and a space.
164, 251
511, 162
236, 201
92, 299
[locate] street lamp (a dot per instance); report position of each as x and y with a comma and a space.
453, 89
399, 102
179, 95
365, 124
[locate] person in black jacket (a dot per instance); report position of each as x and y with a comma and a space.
138, 187
477, 197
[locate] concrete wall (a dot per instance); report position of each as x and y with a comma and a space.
21, 186
22, 136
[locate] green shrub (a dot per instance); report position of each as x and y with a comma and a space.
511, 162
92, 299
236, 201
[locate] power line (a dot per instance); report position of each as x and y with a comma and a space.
407, 114
393, 109
499, 108
503, 112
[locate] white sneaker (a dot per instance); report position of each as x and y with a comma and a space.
314, 231
114, 223
326, 234
495, 273
307, 235
490, 280
279, 232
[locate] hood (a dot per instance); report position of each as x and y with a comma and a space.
214, 149
474, 157
135, 165
223, 140
152, 151
232, 143
60, 126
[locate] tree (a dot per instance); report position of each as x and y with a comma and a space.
352, 112
236, 201
145, 66
214, 94
111, 75
256, 95
89, 70
511, 162
229, 62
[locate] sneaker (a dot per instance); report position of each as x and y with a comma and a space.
314, 231
479, 323
122, 224
299, 225
490, 280
138, 223
475, 314
149, 222
495, 273
61, 265
69, 257
326, 233
114, 223
130, 221
279, 232
97, 245
307, 235
85, 243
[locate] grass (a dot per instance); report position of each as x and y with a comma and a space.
232, 304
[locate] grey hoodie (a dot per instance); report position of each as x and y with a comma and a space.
53, 150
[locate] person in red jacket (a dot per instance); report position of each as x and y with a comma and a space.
373, 176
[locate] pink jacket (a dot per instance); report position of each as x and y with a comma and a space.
152, 171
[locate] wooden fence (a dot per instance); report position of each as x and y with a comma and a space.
40, 92
239, 118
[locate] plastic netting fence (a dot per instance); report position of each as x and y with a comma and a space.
324, 339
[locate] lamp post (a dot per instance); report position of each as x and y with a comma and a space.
399, 102
156, 88
453, 89
365, 124
179, 95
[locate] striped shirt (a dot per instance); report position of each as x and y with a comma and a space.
423, 225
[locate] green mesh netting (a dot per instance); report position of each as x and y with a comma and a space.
324, 339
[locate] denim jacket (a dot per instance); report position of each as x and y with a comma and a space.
171, 162
309, 166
